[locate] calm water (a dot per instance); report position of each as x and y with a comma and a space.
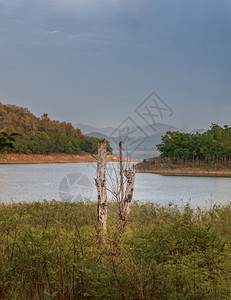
139, 154
59, 181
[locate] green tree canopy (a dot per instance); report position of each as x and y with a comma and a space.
214, 144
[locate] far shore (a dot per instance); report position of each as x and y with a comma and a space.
13, 158
195, 172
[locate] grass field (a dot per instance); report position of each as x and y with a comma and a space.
49, 250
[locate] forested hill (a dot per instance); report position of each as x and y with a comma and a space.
42, 135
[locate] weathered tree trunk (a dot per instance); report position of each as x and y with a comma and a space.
102, 193
129, 191
123, 215
121, 204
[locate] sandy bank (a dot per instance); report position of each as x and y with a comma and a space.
198, 172
12, 158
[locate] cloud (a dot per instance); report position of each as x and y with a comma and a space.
52, 32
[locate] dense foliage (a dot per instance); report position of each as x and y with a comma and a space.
214, 144
42, 135
7, 140
49, 251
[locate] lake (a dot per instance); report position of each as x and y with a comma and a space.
75, 181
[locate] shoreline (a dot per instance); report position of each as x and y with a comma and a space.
13, 158
188, 172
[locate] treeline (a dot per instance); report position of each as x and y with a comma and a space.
210, 146
42, 135
55, 142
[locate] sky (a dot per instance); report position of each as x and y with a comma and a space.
95, 61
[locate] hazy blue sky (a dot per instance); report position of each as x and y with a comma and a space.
93, 61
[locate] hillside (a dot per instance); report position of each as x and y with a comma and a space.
40, 135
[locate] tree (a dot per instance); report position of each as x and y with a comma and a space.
117, 189
212, 145
43, 135
102, 192
7, 140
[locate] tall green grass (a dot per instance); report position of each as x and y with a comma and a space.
49, 251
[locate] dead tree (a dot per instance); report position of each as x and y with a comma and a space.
125, 201
121, 201
102, 193
130, 174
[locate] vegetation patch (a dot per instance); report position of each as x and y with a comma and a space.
206, 154
210, 146
49, 250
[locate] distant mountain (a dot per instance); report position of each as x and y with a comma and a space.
136, 143
87, 129
97, 135
109, 131
159, 128
141, 138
